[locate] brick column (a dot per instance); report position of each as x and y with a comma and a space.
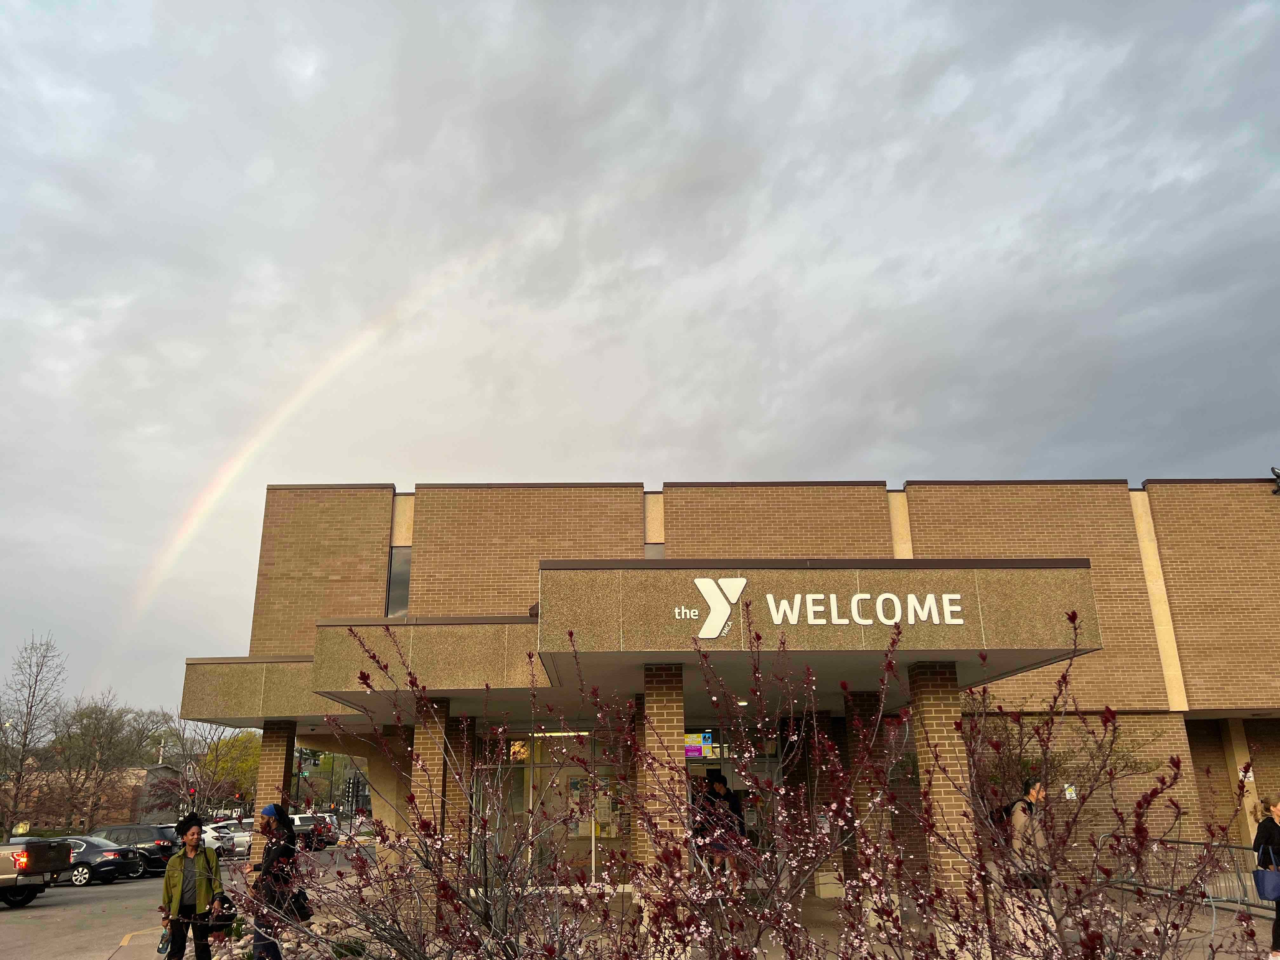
635, 773
661, 774
275, 775
431, 781
936, 707
826, 880
430, 771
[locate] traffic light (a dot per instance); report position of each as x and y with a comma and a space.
191, 791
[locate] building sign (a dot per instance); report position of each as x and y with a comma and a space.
820, 609
818, 605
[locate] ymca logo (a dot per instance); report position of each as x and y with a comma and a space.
720, 596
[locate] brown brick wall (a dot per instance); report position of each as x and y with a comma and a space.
476, 548
324, 554
1263, 737
1095, 520
1215, 780
664, 742
1220, 551
936, 708
776, 520
275, 774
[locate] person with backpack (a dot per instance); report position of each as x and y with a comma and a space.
1026, 829
192, 887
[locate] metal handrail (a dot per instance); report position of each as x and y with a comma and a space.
1234, 883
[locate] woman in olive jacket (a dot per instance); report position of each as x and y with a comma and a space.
191, 882
1266, 844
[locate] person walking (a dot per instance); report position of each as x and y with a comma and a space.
192, 881
274, 885
1266, 844
727, 826
1027, 836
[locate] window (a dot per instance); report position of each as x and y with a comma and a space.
398, 582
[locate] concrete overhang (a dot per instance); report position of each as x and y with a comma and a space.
245, 691
1006, 617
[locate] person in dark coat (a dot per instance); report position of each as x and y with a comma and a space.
1266, 844
727, 824
274, 885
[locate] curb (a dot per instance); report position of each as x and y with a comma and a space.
138, 933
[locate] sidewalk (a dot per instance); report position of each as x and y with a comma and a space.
141, 945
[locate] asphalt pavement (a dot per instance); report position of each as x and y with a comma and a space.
81, 922
90, 923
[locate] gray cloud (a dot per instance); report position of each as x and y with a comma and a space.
675, 242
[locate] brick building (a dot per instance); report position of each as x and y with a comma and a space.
1174, 583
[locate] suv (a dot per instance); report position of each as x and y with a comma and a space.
311, 830
155, 844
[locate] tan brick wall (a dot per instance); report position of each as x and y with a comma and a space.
1220, 550
936, 708
324, 554
275, 774
476, 548
777, 520
1215, 780
430, 766
1094, 520
1264, 752
664, 738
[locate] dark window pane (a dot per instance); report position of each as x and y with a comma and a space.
398, 582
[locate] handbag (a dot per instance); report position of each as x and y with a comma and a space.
1267, 881
298, 908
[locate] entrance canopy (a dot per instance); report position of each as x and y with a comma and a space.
992, 618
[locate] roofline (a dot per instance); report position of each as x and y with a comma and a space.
520, 486
1211, 480
874, 563
1008, 483
776, 483
331, 486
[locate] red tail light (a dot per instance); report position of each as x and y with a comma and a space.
20, 859
164, 843
110, 854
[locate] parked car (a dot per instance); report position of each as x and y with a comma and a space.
311, 830
240, 835
155, 843
219, 839
28, 865
93, 858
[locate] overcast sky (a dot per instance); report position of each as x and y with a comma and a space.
245, 243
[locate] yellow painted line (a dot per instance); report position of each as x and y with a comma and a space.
138, 933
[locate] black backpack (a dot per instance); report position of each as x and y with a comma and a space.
1002, 823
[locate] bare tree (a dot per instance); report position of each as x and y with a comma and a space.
29, 702
485, 857
213, 765
95, 740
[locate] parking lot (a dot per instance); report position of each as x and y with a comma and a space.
88, 923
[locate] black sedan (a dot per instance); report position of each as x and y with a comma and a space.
93, 858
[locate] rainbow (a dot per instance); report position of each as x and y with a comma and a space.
203, 505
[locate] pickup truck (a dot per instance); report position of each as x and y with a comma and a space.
28, 865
